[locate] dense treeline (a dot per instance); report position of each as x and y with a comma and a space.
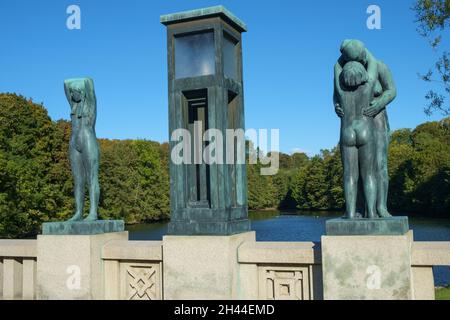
419, 171
35, 178
36, 183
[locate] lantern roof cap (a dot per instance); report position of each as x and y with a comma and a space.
209, 12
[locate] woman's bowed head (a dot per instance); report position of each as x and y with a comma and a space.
355, 51
353, 75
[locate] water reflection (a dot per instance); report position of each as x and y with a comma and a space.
310, 226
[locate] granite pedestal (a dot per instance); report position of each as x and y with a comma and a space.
367, 267
69, 265
202, 267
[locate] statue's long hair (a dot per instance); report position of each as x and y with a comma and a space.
354, 74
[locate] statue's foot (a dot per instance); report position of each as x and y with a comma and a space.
350, 216
383, 213
372, 216
76, 217
91, 218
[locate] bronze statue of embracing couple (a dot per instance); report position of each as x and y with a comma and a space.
363, 87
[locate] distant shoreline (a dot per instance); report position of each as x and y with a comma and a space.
306, 213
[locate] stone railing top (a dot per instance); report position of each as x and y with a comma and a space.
132, 250
431, 253
18, 248
280, 252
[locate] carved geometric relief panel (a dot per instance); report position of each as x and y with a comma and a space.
284, 283
140, 281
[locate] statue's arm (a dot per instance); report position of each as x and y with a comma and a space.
389, 91
337, 75
68, 96
337, 89
91, 100
387, 83
67, 90
372, 73
372, 68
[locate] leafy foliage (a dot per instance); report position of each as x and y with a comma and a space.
433, 17
36, 183
35, 178
419, 169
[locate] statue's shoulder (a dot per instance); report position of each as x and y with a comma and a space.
381, 65
339, 63
384, 73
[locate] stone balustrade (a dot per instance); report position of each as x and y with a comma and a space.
425, 255
280, 270
133, 270
18, 269
267, 270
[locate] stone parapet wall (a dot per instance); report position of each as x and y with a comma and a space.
280, 270
18, 269
133, 270
267, 270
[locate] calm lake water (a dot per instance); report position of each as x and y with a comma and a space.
310, 226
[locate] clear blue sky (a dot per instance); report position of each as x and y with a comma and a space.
289, 53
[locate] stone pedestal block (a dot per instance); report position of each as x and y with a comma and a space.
82, 227
70, 266
367, 267
393, 226
202, 267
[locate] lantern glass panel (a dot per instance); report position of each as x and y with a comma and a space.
229, 57
194, 55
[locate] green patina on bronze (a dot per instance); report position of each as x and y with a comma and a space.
216, 11
363, 87
84, 157
83, 147
206, 199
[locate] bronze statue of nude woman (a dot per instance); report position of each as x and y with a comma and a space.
354, 94
83, 146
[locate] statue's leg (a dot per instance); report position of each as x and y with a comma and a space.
382, 143
367, 164
91, 160
351, 174
79, 179
360, 201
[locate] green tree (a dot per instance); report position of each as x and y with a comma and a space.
36, 183
310, 186
262, 193
334, 177
27, 141
433, 17
134, 183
